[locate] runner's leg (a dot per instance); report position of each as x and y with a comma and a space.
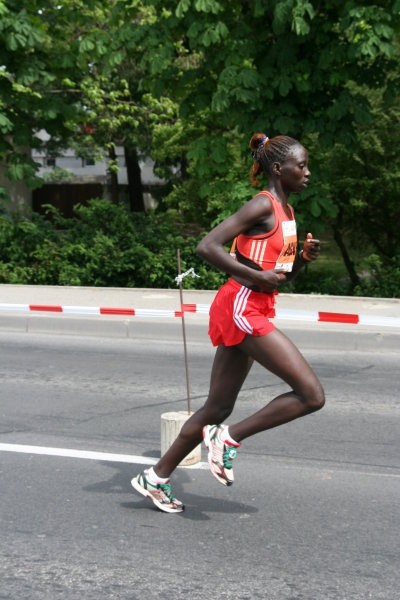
279, 355
230, 369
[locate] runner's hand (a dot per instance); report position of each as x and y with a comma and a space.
311, 248
268, 281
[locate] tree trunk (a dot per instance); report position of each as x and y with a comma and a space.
135, 187
113, 176
354, 278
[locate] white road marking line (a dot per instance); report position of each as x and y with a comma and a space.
135, 459
88, 454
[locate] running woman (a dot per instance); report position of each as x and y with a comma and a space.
265, 256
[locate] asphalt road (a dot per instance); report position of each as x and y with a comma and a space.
313, 513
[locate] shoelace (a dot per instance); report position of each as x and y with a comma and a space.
166, 488
228, 455
223, 454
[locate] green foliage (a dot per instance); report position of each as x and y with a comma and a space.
370, 192
103, 245
187, 83
301, 50
360, 192
32, 92
383, 279
314, 280
57, 175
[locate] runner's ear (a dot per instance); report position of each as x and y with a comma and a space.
276, 168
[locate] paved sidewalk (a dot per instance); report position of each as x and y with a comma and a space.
296, 309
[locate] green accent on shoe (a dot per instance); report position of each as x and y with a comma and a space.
220, 454
229, 454
160, 493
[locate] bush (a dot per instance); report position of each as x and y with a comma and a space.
103, 245
106, 245
382, 279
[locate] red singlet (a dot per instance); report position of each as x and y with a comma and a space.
238, 311
275, 249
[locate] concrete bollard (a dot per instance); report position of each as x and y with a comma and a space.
171, 424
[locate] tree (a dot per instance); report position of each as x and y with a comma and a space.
364, 186
283, 64
287, 66
37, 89
187, 82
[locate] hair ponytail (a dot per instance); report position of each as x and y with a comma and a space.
266, 152
256, 144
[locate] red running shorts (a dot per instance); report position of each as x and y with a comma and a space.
237, 311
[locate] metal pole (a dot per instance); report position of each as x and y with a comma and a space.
184, 332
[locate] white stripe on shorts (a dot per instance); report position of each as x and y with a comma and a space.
239, 306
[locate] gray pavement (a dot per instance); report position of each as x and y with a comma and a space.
360, 336
313, 514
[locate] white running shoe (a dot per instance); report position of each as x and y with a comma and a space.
220, 454
160, 493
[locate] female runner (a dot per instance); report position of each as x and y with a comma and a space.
265, 256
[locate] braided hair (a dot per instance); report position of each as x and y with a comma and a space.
266, 152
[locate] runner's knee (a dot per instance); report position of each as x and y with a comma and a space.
314, 397
216, 414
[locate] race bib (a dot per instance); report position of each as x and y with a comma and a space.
288, 253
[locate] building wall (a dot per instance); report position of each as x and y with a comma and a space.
79, 168
87, 181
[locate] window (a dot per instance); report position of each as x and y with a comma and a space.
88, 162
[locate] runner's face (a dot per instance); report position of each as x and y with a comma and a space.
294, 170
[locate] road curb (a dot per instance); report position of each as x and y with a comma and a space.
327, 336
365, 324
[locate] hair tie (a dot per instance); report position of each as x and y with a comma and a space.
262, 143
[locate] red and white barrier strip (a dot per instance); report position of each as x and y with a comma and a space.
314, 316
334, 317
280, 313
89, 310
